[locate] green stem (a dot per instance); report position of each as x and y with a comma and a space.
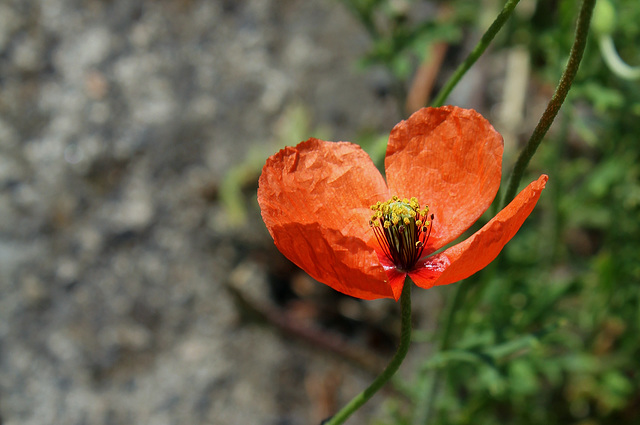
614, 61
392, 367
482, 45
577, 50
424, 408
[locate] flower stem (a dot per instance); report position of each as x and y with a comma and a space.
392, 367
477, 51
614, 61
577, 50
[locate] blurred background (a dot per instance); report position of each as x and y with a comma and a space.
139, 285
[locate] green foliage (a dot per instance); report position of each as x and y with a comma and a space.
548, 333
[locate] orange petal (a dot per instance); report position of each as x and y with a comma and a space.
482, 247
450, 159
395, 277
428, 270
315, 201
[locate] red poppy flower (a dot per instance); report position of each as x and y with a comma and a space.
330, 211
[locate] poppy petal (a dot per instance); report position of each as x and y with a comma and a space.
315, 201
482, 247
427, 272
450, 159
395, 277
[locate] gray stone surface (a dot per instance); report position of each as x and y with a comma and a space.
116, 119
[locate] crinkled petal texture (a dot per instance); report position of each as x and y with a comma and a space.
315, 201
450, 159
475, 253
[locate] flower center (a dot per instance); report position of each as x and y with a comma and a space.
402, 229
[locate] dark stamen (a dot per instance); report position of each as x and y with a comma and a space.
402, 230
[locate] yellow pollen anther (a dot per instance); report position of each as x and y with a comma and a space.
402, 229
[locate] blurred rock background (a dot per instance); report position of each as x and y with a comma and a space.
119, 120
